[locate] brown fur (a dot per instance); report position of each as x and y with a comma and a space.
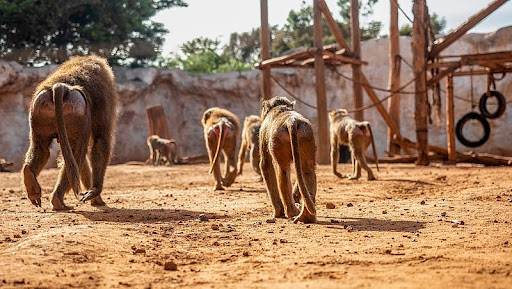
251, 142
76, 104
358, 136
160, 148
287, 138
221, 130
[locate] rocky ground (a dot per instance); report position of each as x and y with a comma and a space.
415, 227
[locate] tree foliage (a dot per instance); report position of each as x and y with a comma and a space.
437, 22
50, 31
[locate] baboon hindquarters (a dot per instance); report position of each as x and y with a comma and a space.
228, 149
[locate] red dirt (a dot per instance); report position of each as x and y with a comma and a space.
396, 232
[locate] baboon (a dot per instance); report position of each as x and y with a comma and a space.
76, 105
160, 148
358, 136
250, 141
286, 137
221, 129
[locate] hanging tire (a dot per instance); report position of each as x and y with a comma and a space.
502, 103
460, 126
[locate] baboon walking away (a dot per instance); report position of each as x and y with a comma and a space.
221, 130
358, 136
251, 143
77, 105
160, 148
287, 138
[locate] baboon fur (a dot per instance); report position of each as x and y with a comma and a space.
358, 136
77, 105
286, 138
160, 148
221, 130
250, 142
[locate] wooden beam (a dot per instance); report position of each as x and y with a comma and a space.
480, 72
341, 58
450, 121
355, 32
265, 50
321, 101
285, 58
157, 122
394, 78
464, 27
434, 80
419, 50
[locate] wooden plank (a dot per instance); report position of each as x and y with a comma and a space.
289, 57
419, 49
265, 50
443, 73
450, 121
356, 51
157, 122
464, 27
344, 59
394, 77
321, 101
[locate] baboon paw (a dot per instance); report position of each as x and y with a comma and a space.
353, 178
98, 202
89, 195
372, 178
218, 188
339, 175
58, 205
276, 215
304, 218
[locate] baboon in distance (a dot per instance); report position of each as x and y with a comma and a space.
250, 141
358, 136
77, 105
221, 129
286, 137
160, 148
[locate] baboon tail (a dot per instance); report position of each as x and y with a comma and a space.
373, 147
308, 202
220, 143
72, 170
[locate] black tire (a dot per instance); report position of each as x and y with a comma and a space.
502, 103
464, 120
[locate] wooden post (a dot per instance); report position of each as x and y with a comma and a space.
394, 77
450, 121
321, 102
464, 27
157, 122
265, 51
356, 51
419, 53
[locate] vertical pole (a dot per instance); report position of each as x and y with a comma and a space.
394, 77
265, 50
450, 128
419, 52
356, 51
321, 102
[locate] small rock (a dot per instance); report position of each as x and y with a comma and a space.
283, 241
245, 254
330, 205
271, 221
333, 221
510, 201
443, 214
422, 202
23, 232
384, 212
350, 205
203, 218
11, 191
216, 243
388, 251
215, 227
170, 266
17, 236
140, 251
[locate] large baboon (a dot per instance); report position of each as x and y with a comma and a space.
221, 129
251, 142
160, 148
358, 136
286, 138
77, 105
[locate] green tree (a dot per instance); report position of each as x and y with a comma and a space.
437, 22
50, 31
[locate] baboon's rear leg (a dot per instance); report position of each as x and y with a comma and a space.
361, 160
255, 160
100, 157
356, 169
269, 177
212, 148
36, 159
231, 171
86, 177
241, 157
335, 156
285, 191
308, 172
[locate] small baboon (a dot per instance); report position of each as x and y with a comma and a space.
160, 148
286, 138
77, 105
358, 136
221, 129
251, 142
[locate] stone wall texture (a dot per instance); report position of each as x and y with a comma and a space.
185, 96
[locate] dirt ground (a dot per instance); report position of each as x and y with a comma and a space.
415, 227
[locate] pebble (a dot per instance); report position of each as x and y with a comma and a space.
203, 218
283, 241
350, 205
140, 251
443, 214
170, 266
333, 221
422, 203
245, 254
384, 212
330, 205
215, 227
271, 221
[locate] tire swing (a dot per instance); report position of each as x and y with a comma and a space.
471, 118
502, 103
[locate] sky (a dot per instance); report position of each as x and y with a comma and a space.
217, 19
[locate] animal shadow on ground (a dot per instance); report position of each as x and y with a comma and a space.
377, 225
407, 181
146, 216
